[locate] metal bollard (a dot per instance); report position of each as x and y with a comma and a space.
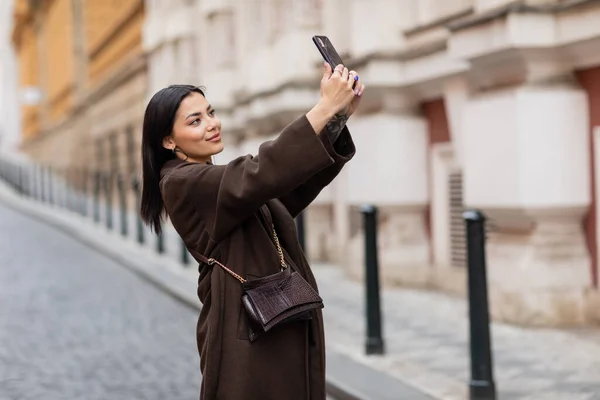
78, 197
108, 195
27, 176
96, 199
20, 179
59, 186
84, 192
481, 385
185, 258
301, 231
135, 184
24, 180
50, 185
42, 185
34, 181
122, 204
68, 192
160, 243
374, 342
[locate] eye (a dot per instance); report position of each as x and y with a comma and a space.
195, 122
212, 113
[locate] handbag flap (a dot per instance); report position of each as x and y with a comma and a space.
276, 297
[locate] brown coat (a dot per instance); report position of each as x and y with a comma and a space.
219, 211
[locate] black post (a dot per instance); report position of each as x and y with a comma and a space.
108, 195
20, 179
122, 204
27, 177
96, 199
68, 189
185, 258
135, 184
58, 186
84, 191
482, 385
77, 189
42, 185
34, 181
160, 243
301, 231
51, 185
374, 343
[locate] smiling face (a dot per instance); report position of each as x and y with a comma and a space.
196, 132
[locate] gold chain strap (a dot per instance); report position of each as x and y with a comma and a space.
279, 250
212, 261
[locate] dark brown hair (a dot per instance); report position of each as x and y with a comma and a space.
158, 124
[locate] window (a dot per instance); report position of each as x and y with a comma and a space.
222, 37
458, 243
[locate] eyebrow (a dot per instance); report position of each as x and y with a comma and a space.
198, 112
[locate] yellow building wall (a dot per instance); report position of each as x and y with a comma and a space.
28, 74
113, 34
44, 36
59, 60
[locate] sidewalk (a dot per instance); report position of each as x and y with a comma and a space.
425, 333
426, 336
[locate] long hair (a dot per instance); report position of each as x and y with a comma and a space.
158, 123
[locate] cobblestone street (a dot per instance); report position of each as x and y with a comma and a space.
75, 325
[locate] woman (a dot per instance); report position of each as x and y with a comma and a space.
227, 212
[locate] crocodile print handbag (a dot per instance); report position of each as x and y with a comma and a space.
275, 299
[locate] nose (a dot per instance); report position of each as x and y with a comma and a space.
213, 122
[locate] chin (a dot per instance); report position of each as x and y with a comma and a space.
219, 148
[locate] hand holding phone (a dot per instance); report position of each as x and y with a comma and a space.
330, 55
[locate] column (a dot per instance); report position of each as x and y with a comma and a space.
527, 166
390, 171
79, 50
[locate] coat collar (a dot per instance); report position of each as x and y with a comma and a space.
174, 163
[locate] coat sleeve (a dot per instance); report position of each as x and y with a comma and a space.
341, 152
226, 195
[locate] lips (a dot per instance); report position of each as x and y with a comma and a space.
215, 138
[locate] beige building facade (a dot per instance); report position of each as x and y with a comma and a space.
487, 104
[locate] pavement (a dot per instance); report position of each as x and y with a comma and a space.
75, 324
425, 332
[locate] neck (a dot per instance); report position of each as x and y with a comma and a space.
182, 156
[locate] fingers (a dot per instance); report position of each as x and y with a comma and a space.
337, 71
353, 81
327, 70
345, 74
361, 90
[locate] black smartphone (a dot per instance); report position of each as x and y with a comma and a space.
327, 51
330, 55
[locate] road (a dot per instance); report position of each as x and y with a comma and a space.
74, 325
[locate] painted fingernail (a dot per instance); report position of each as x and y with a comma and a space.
355, 77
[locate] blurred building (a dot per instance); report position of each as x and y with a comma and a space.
9, 106
83, 60
493, 104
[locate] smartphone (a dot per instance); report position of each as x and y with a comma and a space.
327, 51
